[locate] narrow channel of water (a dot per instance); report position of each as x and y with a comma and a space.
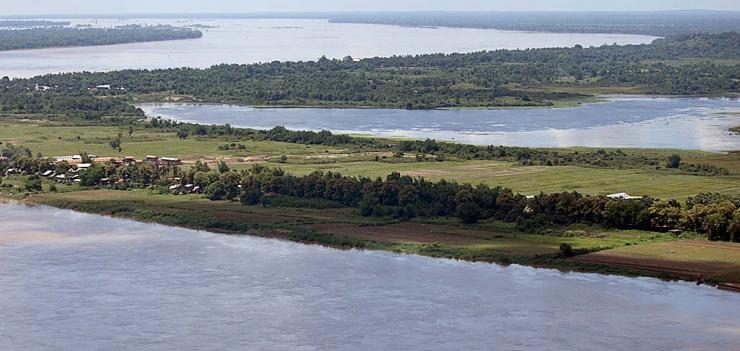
619, 121
71, 281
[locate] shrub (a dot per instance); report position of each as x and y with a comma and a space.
33, 183
566, 250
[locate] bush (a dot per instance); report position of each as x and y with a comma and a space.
33, 183
673, 161
566, 250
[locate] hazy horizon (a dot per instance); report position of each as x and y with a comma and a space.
86, 7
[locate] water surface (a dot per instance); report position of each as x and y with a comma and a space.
265, 40
80, 282
620, 121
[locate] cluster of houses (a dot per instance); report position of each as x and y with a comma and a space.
128, 160
42, 88
179, 189
72, 175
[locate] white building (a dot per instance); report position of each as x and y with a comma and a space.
623, 196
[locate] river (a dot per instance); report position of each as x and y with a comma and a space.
618, 121
72, 281
265, 40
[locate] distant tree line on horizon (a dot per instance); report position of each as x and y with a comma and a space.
50, 37
658, 23
31, 23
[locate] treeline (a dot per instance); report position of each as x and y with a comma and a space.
36, 38
73, 104
681, 66
31, 23
525, 156
277, 134
658, 23
405, 197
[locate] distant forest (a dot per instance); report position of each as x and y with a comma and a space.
697, 64
37, 38
656, 23
660, 23
31, 23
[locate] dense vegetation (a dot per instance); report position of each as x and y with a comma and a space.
72, 104
685, 65
652, 23
31, 23
405, 197
37, 38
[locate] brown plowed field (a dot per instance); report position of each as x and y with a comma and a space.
687, 258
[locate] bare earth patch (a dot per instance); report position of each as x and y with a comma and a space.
686, 258
405, 233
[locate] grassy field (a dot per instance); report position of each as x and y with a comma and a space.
51, 139
708, 260
536, 179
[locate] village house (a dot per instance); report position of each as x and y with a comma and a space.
623, 196
73, 160
41, 88
170, 161
154, 160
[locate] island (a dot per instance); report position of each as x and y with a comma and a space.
52, 37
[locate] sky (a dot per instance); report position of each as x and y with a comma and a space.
38, 7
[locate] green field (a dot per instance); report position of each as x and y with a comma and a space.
51, 139
535, 179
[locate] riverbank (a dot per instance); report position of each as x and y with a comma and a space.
639, 253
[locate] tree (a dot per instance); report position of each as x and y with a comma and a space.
115, 144
92, 175
33, 183
223, 167
664, 214
252, 195
673, 161
566, 250
468, 212
62, 167
216, 191
85, 157
201, 166
734, 228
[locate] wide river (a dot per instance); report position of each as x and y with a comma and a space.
618, 121
265, 40
72, 281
